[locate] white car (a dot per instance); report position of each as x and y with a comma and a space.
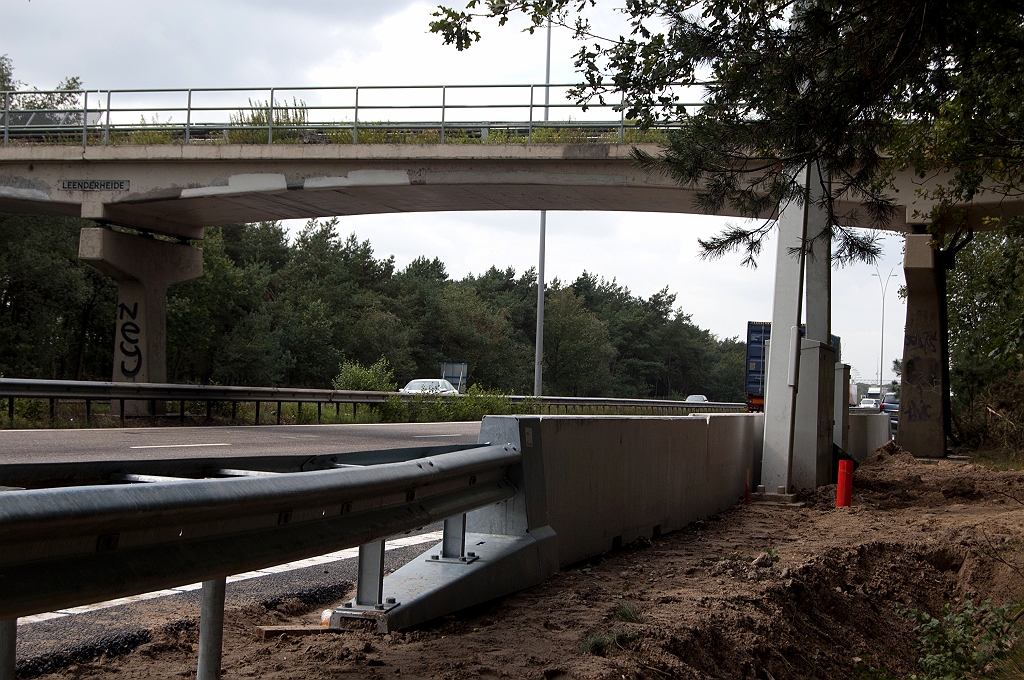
697, 397
868, 403
428, 386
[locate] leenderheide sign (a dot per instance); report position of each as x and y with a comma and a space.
94, 185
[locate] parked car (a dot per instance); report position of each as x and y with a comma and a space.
697, 397
428, 386
868, 403
891, 405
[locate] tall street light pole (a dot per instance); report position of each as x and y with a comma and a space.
884, 285
538, 359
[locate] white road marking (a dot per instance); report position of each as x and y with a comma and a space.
348, 553
431, 436
174, 446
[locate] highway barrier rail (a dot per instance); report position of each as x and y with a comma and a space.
78, 533
423, 114
158, 394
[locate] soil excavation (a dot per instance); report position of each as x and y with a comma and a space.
760, 591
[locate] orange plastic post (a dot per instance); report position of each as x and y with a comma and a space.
844, 489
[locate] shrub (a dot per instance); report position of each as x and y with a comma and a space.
964, 642
378, 377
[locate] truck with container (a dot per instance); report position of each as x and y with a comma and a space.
758, 335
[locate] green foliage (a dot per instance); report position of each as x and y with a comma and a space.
290, 122
985, 295
859, 90
267, 311
964, 642
378, 377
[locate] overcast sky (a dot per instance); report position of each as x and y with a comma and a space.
259, 43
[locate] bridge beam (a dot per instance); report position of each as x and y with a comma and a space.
144, 268
924, 405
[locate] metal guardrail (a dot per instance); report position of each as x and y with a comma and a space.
140, 526
341, 114
155, 393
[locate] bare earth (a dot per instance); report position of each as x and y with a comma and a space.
712, 600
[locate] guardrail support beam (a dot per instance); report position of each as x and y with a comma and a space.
211, 629
453, 543
143, 269
370, 579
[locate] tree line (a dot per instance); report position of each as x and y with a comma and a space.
275, 311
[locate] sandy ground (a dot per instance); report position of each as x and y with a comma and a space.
761, 591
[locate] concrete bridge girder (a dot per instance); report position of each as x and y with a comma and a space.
178, 190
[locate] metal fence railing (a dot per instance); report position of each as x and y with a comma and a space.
441, 114
78, 533
156, 393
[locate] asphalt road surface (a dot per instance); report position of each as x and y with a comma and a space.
53, 446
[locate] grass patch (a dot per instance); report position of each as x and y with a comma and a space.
627, 613
605, 644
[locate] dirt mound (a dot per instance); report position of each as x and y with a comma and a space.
761, 591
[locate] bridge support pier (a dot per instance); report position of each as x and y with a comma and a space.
924, 405
144, 268
800, 386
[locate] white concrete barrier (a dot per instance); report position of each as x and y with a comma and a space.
609, 480
868, 431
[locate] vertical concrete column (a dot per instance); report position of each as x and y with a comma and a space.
144, 268
784, 348
923, 405
815, 402
814, 424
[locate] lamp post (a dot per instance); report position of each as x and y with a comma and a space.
538, 359
884, 285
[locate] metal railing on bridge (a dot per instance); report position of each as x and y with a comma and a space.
158, 393
417, 114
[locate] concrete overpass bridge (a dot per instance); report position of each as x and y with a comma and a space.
198, 178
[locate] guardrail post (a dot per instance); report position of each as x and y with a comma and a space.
188, 119
53, 409
122, 412
85, 118
257, 421
529, 132
7, 115
270, 119
106, 127
370, 579
318, 407
444, 95
209, 409
337, 410
453, 544
211, 629
234, 411
8, 648
181, 413
88, 411
298, 413
278, 413
355, 120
